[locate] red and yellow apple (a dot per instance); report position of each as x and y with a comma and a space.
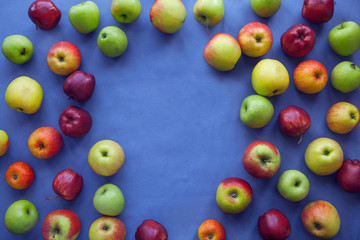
20, 175
310, 76
45, 142
342, 117
211, 229
63, 58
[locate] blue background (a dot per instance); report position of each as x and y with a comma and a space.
177, 120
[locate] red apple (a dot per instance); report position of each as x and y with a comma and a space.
20, 175
61, 224
67, 184
261, 159
44, 14
151, 230
63, 58
298, 40
348, 176
107, 228
294, 121
318, 11
211, 230
79, 86
310, 76
274, 225
45, 142
75, 122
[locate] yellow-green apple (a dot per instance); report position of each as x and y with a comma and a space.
21, 217
75, 122
293, 185
211, 229
85, 17
342, 117
151, 230
233, 195
222, 52
294, 121
106, 157
321, 219
112, 41
20, 175
109, 200
45, 142
324, 156
61, 224
125, 11
107, 228
345, 77
255, 39
310, 76
344, 38
318, 11
274, 225
67, 184
17, 49
208, 12
4, 142
24, 94
265, 8
63, 58
79, 86
44, 14
168, 16
270, 77
261, 159
348, 176
256, 111
298, 40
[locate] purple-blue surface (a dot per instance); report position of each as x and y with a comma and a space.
177, 120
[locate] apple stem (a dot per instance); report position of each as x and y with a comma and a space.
82, 2
53, 198
300, 139
342, 23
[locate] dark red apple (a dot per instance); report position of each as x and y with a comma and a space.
150, 230
75, 122
318, 11
294, 121
67, 184
298, 40
79, 86
44, 14
274, 225
348, 176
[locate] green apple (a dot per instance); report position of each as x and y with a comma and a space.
17, 49
293, 185
24, 95
107, 228
345, 77
342, 117
222, 52
324, 156
106, 157
208, 12
168, 16
344, 38
109, 200
21, 217
256, 111
4, 142
112, 41
265, 8
321, 219
270, 77
125, 11
85, 17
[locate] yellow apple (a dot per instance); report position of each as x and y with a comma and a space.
4, 142
24, 95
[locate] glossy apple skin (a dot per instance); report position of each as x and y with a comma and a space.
310, 76
274, 225
211, 229
45, 142
298, 40
20, 175
348, 176
79, 86
151, 230
107, 228
318, 11
294, 121
67, 184
342, 117
44, 14
75, 122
